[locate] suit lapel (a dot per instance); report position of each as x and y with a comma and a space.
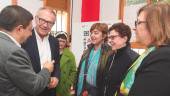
35, 51
51, 42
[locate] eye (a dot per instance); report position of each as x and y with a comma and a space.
137, 22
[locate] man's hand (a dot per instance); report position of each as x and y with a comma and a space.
49, 65
53, 82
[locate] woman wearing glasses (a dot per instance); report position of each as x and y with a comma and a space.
120, 60
92, 63
150, 73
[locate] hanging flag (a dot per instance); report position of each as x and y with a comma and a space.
90, 10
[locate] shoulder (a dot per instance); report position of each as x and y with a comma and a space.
52, 38
157, 58
132, 54
10, 47
67, 52
161, 52
67, 56
127, 52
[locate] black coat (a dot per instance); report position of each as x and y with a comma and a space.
115, 72
32, 48
153, 76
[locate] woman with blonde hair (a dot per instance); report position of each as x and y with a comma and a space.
149, 74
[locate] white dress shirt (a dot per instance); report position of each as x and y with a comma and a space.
43, 48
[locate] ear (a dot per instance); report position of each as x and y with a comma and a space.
19, 28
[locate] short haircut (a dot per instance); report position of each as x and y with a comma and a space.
49, 9
14, 15
122, 29
103, 27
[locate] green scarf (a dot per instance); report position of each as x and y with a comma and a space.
130, 77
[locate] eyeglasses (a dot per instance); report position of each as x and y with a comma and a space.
43, 21
61, 40
112, 37
137, 22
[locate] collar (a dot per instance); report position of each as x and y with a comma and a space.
38, 36
12, 38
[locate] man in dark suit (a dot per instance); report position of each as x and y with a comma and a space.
41, 47
17, 77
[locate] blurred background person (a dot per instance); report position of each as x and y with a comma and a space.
149, 74
67, 66
41, 47
93, 61
120, 60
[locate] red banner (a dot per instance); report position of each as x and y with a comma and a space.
90, 10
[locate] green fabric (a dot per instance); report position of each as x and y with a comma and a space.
92, 70
130, 77
80, 79
93, 65
68, 73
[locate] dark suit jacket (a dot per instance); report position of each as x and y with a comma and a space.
32, 48
17, 77
153, 76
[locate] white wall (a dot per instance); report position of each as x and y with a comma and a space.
130, 15
31, 5
4, 3
77, 41
109, 10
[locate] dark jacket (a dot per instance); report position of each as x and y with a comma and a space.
105, 50
32, 48
153, 76
115, 70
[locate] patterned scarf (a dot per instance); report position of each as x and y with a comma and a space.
93, 61
130, 77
